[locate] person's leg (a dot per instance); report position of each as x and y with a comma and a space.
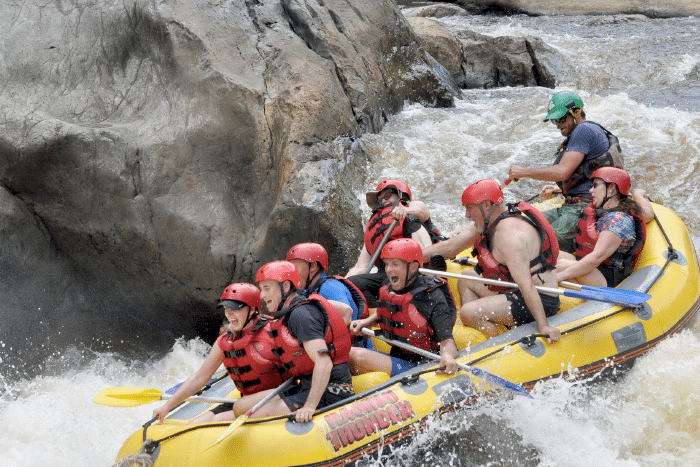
369, 285
484, 313
471, 290
366, 360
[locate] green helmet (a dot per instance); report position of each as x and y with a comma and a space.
561, 102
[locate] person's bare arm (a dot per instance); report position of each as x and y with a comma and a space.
417, 209
362, 263
608, 242
452, 246
317, 350
555, 173
422, 237
640, 196
344, 309
194, 383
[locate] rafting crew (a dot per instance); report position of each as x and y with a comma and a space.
311, 341
391, 200
245, 350
611, 232
311, 260
586, 147
514, 243
414, 309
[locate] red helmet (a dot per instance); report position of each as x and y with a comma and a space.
279, 271
614, 175
406, 249
309, 252
236, 295
481, 191
398, 185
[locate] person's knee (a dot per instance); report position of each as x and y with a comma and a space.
470, 314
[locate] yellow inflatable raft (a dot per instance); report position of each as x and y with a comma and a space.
596, 337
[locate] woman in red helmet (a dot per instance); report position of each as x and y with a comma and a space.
312, 342
611, 231
390, 201
246, 350
413, 308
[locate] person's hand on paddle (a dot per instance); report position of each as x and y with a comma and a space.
450, 364
161, 413
516, 171
399, 212
553, 333
357, 325
548, 191
304, 414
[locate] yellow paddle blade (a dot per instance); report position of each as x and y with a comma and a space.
232, 427
127, 397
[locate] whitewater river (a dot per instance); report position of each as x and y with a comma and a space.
641, 80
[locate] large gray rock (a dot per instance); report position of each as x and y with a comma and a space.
441, 44
490, 62
655, 9
151, 153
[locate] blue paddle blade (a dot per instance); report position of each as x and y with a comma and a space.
620, 297
497, 380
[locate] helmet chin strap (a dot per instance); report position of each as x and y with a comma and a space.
575, 115
284, 296
607, 198
483, 216
411, 277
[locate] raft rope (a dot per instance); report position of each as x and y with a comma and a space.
143, 458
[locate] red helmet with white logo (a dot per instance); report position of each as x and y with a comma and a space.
481, 191
614, 175
279, 271
398, 185
239, 294
406, 249
309, 252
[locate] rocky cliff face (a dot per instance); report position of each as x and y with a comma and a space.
152, 153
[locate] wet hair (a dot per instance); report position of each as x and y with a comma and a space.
629, 205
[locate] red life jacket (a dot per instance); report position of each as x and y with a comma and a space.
400, 320
587, 235
295, 360
377, 226
357, 296
489, 268
249, 359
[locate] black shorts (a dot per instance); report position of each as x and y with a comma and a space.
222, 408
520, 312
295, 396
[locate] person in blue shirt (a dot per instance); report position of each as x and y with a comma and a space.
587, 146
311, 260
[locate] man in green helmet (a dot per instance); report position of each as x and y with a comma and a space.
587, 146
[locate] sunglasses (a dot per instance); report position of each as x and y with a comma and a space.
559, 121
386, 197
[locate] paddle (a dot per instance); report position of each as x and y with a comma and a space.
604, 294
381, 245
485, 375
535, 196
242, 419
133, 397
508, 182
